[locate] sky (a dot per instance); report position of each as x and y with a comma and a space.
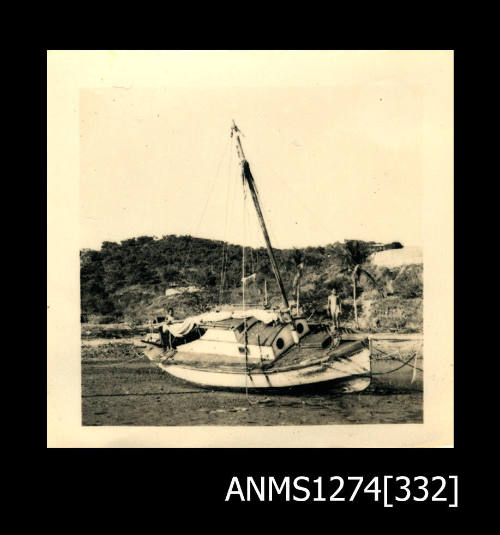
334, 145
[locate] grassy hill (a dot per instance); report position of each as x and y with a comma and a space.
126, 281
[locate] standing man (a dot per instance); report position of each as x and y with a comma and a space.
334, 308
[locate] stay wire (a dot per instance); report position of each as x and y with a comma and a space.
211, 189
225, 245
243, 272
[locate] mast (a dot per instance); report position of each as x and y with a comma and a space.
248, 178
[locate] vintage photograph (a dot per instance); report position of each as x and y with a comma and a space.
268, 278
253, 254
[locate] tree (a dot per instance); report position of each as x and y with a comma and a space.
352, 255
408, 282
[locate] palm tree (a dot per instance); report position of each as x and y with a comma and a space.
352, 255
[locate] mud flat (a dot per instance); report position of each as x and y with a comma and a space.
121, 387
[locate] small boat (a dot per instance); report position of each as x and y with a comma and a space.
259, 349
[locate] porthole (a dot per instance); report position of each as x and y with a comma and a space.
300, 328
280, 343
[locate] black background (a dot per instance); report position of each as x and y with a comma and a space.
104, 488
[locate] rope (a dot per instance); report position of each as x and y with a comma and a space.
243, 289
393, 356
243, 272
399, 367
225, 244
211, 189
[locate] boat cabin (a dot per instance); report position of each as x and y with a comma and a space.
264, 342
226, 338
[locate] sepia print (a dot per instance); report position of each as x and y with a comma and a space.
254, 255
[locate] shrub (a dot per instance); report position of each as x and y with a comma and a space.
392, 314
409, 282
128, 279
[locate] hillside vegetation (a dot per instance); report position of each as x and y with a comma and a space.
126, 281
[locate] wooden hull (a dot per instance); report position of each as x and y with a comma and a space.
351, 373
323, 375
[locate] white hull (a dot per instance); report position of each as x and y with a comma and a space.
354, 370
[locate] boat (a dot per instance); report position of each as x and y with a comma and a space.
259, 349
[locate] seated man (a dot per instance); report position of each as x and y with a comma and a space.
166, 335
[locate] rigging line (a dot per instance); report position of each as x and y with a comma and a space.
243, 272
211, 188
418, 350
253, 237
270, 229
252, 261
222, 275
224, 243
212, 185
223, 270
232, 204
276, 247
243, 290
405, 363
253, 230
247, 232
